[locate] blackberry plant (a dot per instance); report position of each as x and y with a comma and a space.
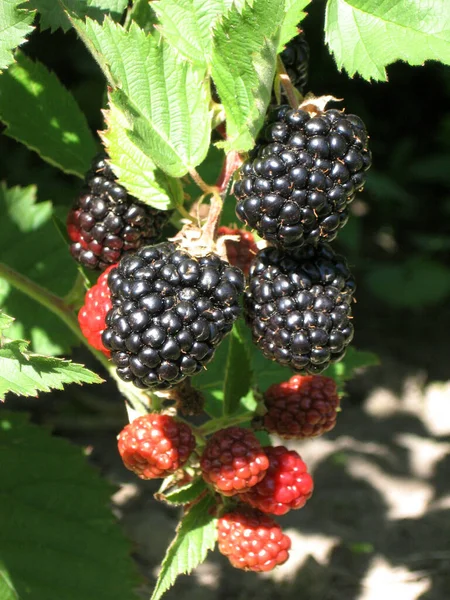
164, 319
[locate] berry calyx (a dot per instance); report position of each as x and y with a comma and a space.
106, 222
240, 252
92, 315
303, 407
154, 445
233, 461
170, 310
286, 486
251, 540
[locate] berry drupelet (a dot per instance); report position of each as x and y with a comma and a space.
303, 407
154, 446
105, 221
300, 178
92, 315
297, 304
233, 461
169, 312
286, 486
251, 540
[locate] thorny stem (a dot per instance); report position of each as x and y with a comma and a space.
210, 227
208, 189
293, 95
216, 424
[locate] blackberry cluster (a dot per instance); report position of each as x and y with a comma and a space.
295, 58
298, 306
296, 186
105, 222
169, 312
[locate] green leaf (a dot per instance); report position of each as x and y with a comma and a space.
143, 15
188, 25
30, 244
136, 171
186, 494
59, 539
166, 99
26, 374
416, 282
15, 25
367, 35
196, 535
43, 115
353, 361
243, 68
238, 370
52, 15
5, 322
294, 15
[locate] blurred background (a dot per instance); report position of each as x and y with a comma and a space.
379, 520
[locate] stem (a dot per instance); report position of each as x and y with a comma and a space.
137, 401
185, 214
205, 187
216, 424
53, 303
212, 221
293, 95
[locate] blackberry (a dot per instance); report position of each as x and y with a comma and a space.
169, 312
296, 186
105, 222
298, 306
295, 58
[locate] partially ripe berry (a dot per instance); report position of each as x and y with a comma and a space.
303, 407
286, 486
251, 540
154, 445
233, 461
240, 252
105, 222
92, 315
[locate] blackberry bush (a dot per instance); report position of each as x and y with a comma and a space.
163, 320
306, 169
170, 310
106, 222
298, 305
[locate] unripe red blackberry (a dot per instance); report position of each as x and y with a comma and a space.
286, 486
241, 252
295, 58
303, 407
92, 315
106, 222
154, 446
298, 306
169, 312
233, 461
251, 540
299, 180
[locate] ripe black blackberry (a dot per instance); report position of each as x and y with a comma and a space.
295, 58
298, 306
170, 311
305, 170
105, 222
